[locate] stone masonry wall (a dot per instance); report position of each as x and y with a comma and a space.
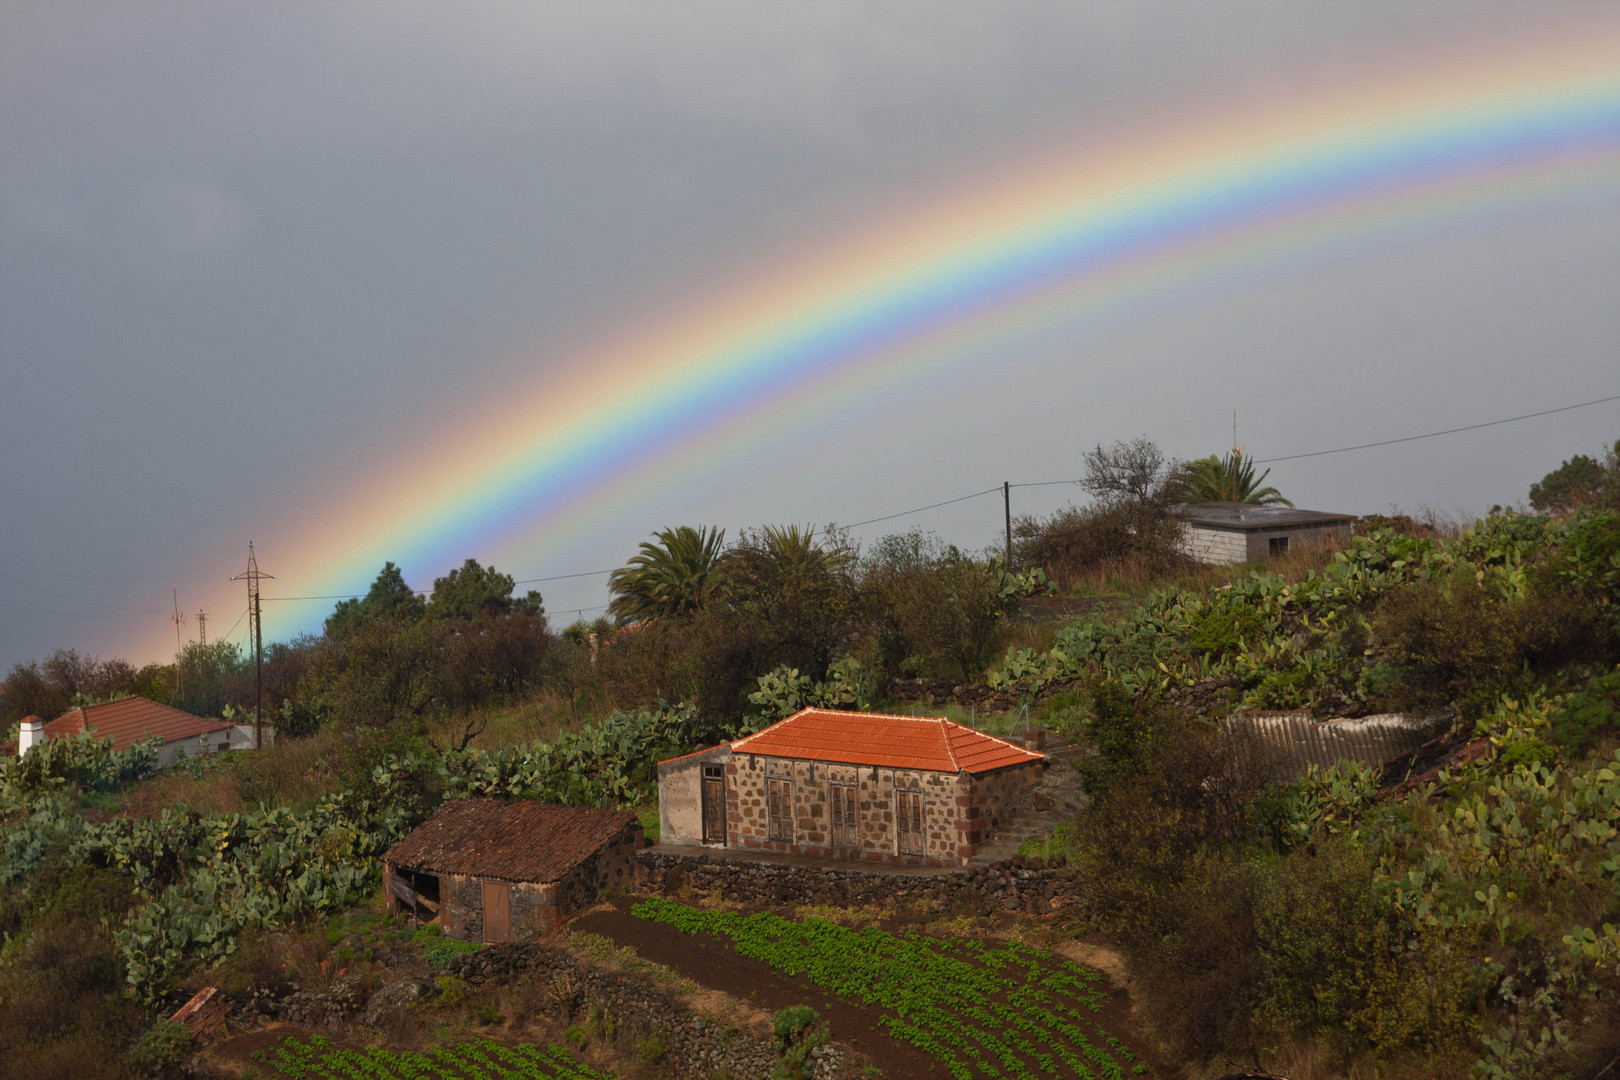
959, 811
693, 1045
1032, 886
611, 869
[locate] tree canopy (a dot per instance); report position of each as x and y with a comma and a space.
1224, 479
672, 577
1578, 481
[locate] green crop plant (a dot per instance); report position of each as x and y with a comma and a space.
981, 1010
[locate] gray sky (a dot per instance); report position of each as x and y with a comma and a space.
242, 246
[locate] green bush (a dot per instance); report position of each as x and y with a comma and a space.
164, 1043
650, 1049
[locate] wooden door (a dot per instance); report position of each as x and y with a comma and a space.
714, 803
909, 821
497, 912
844, 833
779, 807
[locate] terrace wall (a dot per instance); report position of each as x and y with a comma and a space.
693, 1045
1032, 886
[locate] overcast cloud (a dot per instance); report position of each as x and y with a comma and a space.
242, 246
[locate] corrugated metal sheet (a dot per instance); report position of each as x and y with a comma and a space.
517, 841
1287, 742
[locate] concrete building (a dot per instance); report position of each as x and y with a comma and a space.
1228, 533
130, 720
848, 785
510, 871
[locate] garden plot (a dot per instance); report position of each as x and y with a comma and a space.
974, 1010
317, 1059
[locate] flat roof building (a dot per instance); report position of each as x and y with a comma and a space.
1228, 533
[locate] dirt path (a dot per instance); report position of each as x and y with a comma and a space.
711, 961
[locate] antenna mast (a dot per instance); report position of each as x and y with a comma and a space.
202, 627
252, 576
177, 619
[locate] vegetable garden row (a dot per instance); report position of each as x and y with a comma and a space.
480, 1060
999, 1011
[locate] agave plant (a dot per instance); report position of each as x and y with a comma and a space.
1227, 479
672, 577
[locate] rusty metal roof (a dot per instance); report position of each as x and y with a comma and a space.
892, 742
513, 841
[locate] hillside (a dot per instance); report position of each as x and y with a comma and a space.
1447, 914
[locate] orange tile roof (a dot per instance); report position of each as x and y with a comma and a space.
893, 742
129, 720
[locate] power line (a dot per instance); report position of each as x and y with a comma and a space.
74, 614
235, 624
334, 596
559, 577
99, 577
76, 600
920, 509
1435, 434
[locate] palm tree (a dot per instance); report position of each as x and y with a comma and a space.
1228, 479
672, 577
792, 546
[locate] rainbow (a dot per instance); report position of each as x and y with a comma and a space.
1067, 242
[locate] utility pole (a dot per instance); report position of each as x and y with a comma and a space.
1006, 499
252, 576
202, 627
179, 687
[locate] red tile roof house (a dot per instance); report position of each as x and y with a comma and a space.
510, 871
848, 785
128, 721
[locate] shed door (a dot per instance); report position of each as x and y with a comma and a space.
497, 912
909, 818
714, 803
844, 835
779, 809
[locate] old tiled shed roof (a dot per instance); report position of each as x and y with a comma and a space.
513, 841
892, 742
127, 721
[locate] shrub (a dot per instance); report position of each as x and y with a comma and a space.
164, 1043
650, 1049
796, 1032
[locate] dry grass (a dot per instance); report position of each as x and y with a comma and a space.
292, 773
544, 717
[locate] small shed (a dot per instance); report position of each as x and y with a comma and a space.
495, 871
1229, 533
848, 785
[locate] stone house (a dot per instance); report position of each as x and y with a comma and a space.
495, 871
1229, 533
848, 785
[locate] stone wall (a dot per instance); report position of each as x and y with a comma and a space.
693, 1045
1032, 886
610, 870
461, 907
960, 811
